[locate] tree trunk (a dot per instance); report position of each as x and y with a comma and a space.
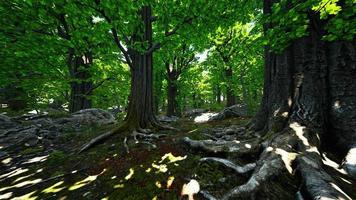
140, 111
81, 86
230, 96
172, 91
217, 94
308, 113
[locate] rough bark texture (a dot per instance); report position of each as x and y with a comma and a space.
308, 112
81, 86
230, 97
140, 111
172, 105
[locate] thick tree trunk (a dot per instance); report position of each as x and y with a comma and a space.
81, 86
172, 104
140, 113
230, 96
308, 112
217, 94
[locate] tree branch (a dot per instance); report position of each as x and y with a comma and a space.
98, 85
188, 20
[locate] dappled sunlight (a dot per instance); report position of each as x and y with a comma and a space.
190, 189
171, 158
131, 173
6, 195
287, 157
54, 188
158, 184
167, 158
120, 185
327, 161
248, 146
204, 117
21, 184
26, 196
16, 172
170, 181
346, 181
6, 161
192, 131
339, 189
160, 168
22, 178
36, 159
85, 181
299, 131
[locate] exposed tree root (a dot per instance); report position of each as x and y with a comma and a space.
238, 169
100, 138
286, 154
317, 184
136, 133
222, 146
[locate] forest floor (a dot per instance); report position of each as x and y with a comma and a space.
108, 171
155, 170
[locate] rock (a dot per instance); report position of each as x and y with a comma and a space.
168, 119
48, 134
32, 130
47, 143
204, 117
350, 163
44, 123
30, 140
233, 129
3, 154
6, 122
195, 112
4, 118
238, 110
93, 116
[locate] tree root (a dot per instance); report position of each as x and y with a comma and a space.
317, 184
139, 132
222, 146
97, 140
278, 159
238, 169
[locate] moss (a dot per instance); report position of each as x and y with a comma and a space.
31, 150
56, 157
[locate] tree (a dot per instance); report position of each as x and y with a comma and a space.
183, 57
236, 58
308, 102
139, 45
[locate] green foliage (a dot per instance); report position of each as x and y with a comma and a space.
291, 19
56, 157
38, 37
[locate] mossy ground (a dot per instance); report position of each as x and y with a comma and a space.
107, 171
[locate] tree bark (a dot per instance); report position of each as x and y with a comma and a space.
308, 112
140, 110
230, 96
81, 86
172, 105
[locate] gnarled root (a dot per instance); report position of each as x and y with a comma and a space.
222, 146
100, 139
238, 169
279, 159
138, 132
317, 184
